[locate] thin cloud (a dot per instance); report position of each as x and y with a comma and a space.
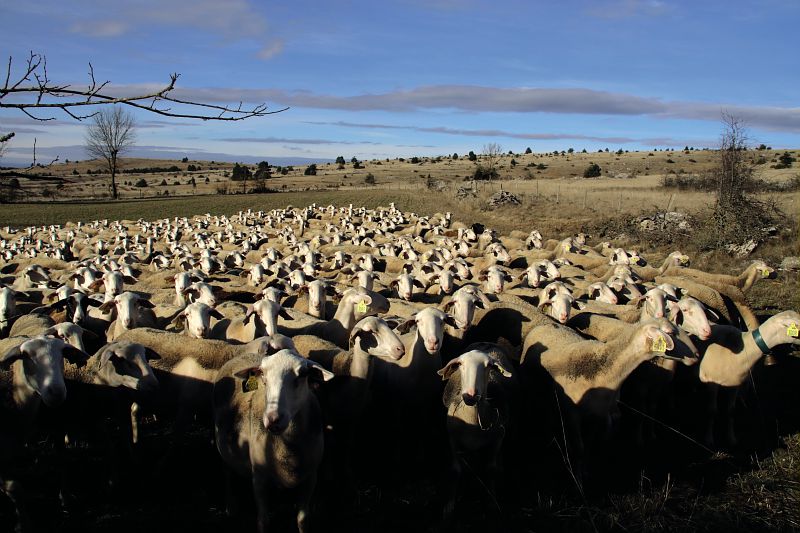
476, 99
271, 50
281, 140
652, 141
100, 28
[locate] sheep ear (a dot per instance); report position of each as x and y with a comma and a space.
449, 369
59, 305
357, 332
145, 303
317, 373
108, 306
639, 301
450, 320
449, 305
249, 313
216, 314
657, 341
393, 285
405, 327
74, 355
283, 313
179, 322
10, 356
497, 366
151, 354
391, 322
419, 284
96, 284
91, 302
129, 279
712, 314
578, 304
253, 371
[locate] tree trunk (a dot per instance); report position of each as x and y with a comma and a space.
113, 169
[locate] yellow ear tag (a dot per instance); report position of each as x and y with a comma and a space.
361, 307
765, 273
251, 384
659, 344
792, 330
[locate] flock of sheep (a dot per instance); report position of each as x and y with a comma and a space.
314, 340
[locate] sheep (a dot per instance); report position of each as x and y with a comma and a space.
587, 374
355, 304
729, 356
744, 281
31, 374
404, 285
261, 319
268, 426
477, 396
132, 311
495, 278
344, 400
31, 325
731, 312
195, 320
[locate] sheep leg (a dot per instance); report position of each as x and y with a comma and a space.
13, 490
453, 477
729, 395
260, 493
711, 391
304, 494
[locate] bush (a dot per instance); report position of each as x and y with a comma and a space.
528, 150
163, 183
141, 183
311, 170
74, 172
185, 160
191, 168
369, 179
472, 156
483, 173
592, 171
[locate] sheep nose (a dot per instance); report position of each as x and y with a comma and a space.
274, 422
470, 398
433, 345
399, 351
562, 318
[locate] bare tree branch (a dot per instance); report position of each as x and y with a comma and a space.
67, 97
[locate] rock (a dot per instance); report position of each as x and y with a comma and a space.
742, 250
464, 192
503, 198
790, 263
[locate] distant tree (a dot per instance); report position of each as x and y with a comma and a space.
163, 183
583, 151
311, 170
185, 160
528, 150
415, 160
786, 160
240, 172
570, 150
284, 171
340, 160
592, 171
110, 134
141, 183
191, 168
262, 171
513, 163
354, 160
762, 147
455, 155
472, 156
620, 152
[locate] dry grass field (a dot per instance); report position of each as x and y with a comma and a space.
680, 487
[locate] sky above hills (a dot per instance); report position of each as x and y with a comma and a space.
418, 77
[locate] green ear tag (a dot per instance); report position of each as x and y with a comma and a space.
792, 330
361, 307
250, 384
659, 344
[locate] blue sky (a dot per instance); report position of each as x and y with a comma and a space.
415, 77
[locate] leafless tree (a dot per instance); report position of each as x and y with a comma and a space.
490, 158
33, 91
734, 171
111, 133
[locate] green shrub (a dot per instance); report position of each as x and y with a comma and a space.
592, 171
141, 183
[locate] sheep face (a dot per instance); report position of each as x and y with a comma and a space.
268, 312
127, 306
655, 303
113, 283
43, 366
474, 367
376, 338
602, 293
462, 307
197, 318
8, 307
781, 329
430, 327
559, 306
125, 364
285, 378
70, 333
690, 315
496, 279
